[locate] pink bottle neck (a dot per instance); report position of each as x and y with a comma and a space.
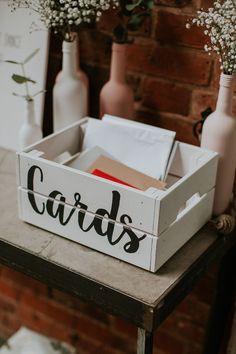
118, 61
225, 96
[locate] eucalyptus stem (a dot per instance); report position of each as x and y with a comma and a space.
26, 83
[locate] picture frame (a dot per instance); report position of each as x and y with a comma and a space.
18, 39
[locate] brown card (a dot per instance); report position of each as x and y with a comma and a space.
126, 174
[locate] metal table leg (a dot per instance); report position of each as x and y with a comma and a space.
145, 342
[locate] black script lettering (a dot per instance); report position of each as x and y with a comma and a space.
133, 245
112, 215
98, 218
81, 216
30, 186
61, 206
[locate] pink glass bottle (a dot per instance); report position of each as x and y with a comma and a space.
219, 134
116, 96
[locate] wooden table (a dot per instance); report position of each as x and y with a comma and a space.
142, 298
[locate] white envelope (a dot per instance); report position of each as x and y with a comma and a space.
146, 150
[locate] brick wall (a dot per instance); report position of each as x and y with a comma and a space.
24, 301
173, 80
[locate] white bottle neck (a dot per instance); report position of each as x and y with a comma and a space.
118, 61
69, 64
225, 96
30, 112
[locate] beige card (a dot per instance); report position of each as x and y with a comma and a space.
125, 173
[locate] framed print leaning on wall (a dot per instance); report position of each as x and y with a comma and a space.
18, 40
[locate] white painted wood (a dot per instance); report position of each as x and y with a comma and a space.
188, 157
200, 180
66, 140
182, 230
162, 215
91, 239
95, 192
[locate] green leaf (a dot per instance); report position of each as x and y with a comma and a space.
150, 4
18, 95
12, 62
136, 21
22, 79
26, 97
131, 7
31, 56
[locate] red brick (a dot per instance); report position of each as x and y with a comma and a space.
183, 328
63, 298
179, 64
166, 96
94, 312
205, 4
204, 289
174, 3
58, 313
86, 345
87, 326
200, 101
9, 289
24, 280
104, 349
45, 325
195, 310
6, 305
95, 47
9, 323
182, 126
125, 328
168, 343
171, 29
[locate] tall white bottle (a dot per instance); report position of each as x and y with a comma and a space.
219, 134
69, 92
30, 131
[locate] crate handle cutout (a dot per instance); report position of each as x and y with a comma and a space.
183, 190
189, 204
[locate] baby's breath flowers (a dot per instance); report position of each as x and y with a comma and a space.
219, 22
66, 16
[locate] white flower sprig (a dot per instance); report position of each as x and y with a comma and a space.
66, 16
219, 22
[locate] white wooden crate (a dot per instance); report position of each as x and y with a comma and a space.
144, 228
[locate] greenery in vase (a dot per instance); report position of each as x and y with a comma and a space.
219, 23
131, 15
24, 79
66, 16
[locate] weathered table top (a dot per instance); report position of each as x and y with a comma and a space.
142, 298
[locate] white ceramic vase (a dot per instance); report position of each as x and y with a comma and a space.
30, 131
219, 134
70, 94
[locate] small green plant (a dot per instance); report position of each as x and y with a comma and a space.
131, 15
24, 79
